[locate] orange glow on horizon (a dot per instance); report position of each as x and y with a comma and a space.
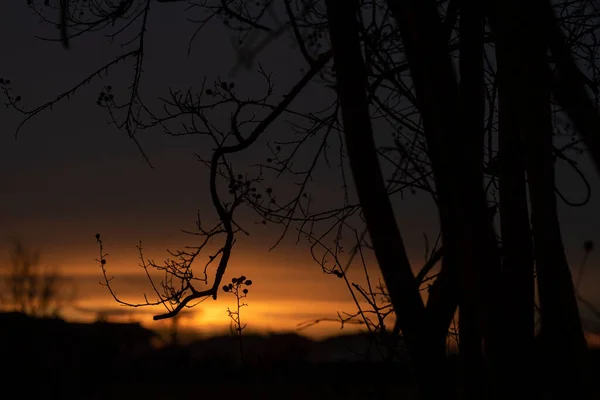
289, 289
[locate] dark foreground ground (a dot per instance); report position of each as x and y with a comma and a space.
316, 382
166, 381
275, 391
52, 359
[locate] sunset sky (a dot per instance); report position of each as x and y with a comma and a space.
71, 175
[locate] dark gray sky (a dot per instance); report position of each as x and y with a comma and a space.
70, 174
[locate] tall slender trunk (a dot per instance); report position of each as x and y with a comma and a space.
561, 322
515, 303
455, 145
525, 33
376, 206
561, 330
472, 103
441, 309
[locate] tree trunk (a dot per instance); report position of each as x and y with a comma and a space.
523, 36
385, 236
562, 336
472, 103
515, 303
453, 128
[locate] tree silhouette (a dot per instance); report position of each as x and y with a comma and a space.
475, 134
30, 286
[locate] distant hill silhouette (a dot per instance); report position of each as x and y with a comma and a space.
56, 345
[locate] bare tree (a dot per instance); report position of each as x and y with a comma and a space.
31, 287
